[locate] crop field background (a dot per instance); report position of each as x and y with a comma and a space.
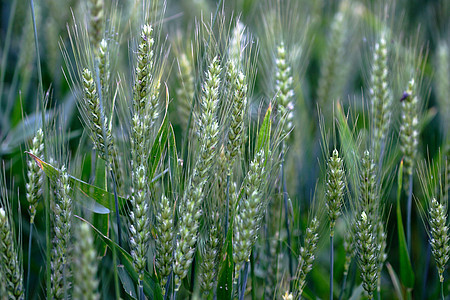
230, 149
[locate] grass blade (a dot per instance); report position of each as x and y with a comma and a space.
406, 270
100, 196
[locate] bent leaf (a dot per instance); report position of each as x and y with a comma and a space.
151, 287
264, 132
100, 196
159, 143
406, 270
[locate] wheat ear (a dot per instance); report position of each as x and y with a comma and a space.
35, 175
164, 241
10, 267
194, 194
85, 283
61, 241
306, 257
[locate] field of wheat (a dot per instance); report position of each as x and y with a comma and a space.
228, 149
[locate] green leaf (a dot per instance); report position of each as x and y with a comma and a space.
101, 221
226, 268
159, 144
264, 132
127, 283
395, 281
349, 146
151, 286
100, 196
406, 270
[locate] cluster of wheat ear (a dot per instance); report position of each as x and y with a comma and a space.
193, 174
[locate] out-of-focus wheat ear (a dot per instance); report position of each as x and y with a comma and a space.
185, 91
368, 253
439, 236
236, 129
104, 67
236, 45
10, 266
332, 63
349, 248
306, 257
194, 194
247, 214
85, 283
210, 254
284, 88
35, 175
96, 22
164, 241
442, 83
446, 179
409, 132
61, 242
380, 95
274, 256
334, 188
381, 241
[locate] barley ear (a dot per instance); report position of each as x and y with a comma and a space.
85, 284
439, 236
334, 188
10, 267
35, 174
